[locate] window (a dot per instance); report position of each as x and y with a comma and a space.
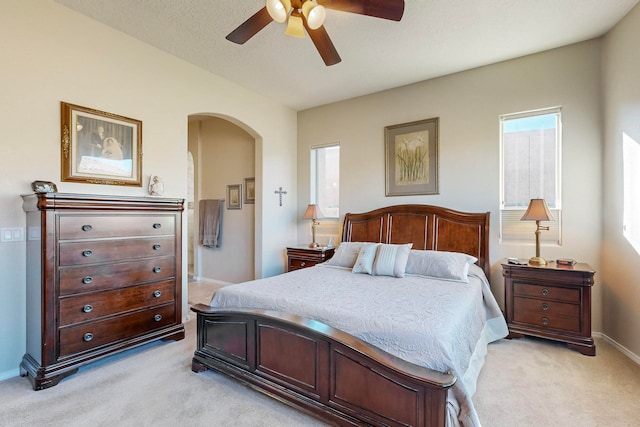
631, 215
530, 148
325, 179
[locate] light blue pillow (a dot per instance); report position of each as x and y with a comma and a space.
366, 256
440, 264
391, 260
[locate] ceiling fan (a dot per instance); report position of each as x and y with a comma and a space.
309, 15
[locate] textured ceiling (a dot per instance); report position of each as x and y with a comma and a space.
434, 38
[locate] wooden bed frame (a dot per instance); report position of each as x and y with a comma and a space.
326, 372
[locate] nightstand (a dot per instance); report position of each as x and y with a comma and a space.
550, 301
302, 257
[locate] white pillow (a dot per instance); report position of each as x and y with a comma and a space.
391, 260
441, 265
364, 262
346, 254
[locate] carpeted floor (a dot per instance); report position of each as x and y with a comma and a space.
534, 382
524, 382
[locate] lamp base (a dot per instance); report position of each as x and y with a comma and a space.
314, 245
537, 261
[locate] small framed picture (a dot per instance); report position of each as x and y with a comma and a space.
44, 187
234, 196
249, 190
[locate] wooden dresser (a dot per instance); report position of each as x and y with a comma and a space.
104, 274
303, 257
552, 302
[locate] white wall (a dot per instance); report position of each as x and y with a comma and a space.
621, 89
468, 105
52, 54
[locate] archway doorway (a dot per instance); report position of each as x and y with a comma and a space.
224, 158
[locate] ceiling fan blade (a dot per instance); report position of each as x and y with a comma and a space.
323, 43
250, 27
385, 9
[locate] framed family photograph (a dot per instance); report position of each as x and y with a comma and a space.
411, 158
249, 190
234, 196
100, 147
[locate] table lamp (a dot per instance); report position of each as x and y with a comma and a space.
313, 213
537, 211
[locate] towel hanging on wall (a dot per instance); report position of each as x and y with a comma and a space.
209, 221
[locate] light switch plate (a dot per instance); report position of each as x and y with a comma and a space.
11, 234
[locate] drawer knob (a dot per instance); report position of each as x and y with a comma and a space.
303, 263
87, 308
545, 321
156, 247
86, 227
87, 253
156, 269
545, 306
545, 292
157, 294
157, 225
87, 280
157, 317
87, 337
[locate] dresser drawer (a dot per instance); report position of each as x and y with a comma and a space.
92, 252
548, 321
95, 226
93, 306
295, 263
542, 306
547, 292
87, 336
91, 278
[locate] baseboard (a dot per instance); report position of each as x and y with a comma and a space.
622, 349
9, 374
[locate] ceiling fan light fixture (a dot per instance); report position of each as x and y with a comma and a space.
314, 13
295, 28
278, 9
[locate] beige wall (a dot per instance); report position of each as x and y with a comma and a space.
51, 54
225, 156
468, 105
619, 273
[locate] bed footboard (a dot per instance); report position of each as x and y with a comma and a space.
319, 369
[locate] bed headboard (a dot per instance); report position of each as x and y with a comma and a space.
427, 227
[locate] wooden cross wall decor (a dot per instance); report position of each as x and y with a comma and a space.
280, 193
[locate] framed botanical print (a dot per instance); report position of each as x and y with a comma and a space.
100, 147
234, 196
411, 158
249, 190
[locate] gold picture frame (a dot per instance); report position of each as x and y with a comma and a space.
100, 147
411, 158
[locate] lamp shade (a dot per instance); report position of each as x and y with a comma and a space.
537, 211
313, 212
315, 14
278, 9
295, 28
